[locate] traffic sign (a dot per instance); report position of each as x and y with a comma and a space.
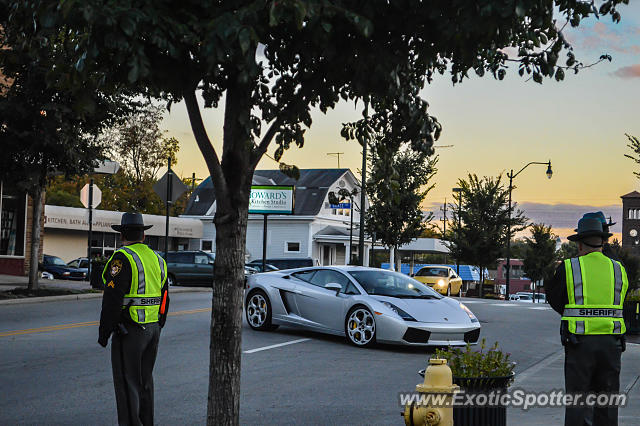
177, 187
96, 198
341, 206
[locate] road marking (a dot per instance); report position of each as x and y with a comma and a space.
535, 368
471, 301
503, 304
266, 348
541, 308
81, 324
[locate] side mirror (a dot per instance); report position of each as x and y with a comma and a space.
412, 275
334, 286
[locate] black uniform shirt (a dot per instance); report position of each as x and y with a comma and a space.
117, 285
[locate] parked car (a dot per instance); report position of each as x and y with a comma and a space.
60, 270
258, 267
366, 305
80, 263
190, 268
540, 297
521, 298
284, 263
442, 279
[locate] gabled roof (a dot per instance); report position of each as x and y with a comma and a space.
310, 190
333, 231
632, 194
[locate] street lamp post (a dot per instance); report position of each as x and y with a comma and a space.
363, 188
459, 192
512, 176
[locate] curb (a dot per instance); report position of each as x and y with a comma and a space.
84, 296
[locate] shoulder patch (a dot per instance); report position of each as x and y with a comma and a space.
116, 267
111, 284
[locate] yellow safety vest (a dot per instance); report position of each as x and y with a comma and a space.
596, 286
148, 275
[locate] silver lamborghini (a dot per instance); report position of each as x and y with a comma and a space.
366, 305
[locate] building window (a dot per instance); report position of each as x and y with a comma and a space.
206, 245
12, 222
634, 213
292, 247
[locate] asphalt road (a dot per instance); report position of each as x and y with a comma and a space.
62, 376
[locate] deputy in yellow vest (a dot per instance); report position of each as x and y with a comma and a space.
589, 291
134, 308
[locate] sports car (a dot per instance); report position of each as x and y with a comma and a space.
442, 279
366, 305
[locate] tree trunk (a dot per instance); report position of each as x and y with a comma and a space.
36, 211
232, 182
481, 291
226, 321
392, 263
398, 260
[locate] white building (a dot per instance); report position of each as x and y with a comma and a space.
315, 230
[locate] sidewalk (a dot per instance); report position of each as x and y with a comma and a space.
9, 282
549, 375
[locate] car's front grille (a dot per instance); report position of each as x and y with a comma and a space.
415, 335
472, 336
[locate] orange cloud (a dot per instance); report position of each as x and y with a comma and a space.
632, 71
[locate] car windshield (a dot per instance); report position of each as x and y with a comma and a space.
387, 283
52, 260
212, 256
433, 272
524, 297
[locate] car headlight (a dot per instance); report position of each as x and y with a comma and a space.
441, 283
66, 273
402, 314
472, 317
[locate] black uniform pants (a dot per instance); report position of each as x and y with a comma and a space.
592, 365
132, 358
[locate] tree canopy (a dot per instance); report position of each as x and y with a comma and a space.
479, 228
539, 262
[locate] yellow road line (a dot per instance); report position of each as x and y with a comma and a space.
82, 324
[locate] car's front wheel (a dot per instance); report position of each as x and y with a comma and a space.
258, 311
171, 280
360, 327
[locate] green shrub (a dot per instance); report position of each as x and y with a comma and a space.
470, 363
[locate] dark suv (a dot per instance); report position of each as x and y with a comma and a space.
284, 263
190, 268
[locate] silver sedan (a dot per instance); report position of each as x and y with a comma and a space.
366, 305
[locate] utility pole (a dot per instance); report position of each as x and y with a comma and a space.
336, 154
363, 186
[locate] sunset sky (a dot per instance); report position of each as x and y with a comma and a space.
494, 126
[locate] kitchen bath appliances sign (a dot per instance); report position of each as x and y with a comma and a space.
271, 200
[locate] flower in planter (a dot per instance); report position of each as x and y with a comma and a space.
468, 363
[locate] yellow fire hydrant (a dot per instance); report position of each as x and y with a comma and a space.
436, 396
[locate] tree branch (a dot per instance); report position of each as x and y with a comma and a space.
264, 143
204, 143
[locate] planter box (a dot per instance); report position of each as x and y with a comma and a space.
96, 276
494, 415
631, 315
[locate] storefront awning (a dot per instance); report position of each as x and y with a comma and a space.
58, 217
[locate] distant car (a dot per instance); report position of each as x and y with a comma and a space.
284, 263
366, 305
80, 263
540, 297
190, 268
258, 267
442, 279
521, 298
60, 270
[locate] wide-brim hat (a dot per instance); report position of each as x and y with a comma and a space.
589, 227
131, 221
600, 216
